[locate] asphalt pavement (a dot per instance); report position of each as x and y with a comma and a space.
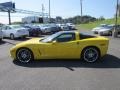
60, 74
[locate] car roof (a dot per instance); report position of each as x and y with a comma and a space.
68, 31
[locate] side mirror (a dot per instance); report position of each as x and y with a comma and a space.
54, 42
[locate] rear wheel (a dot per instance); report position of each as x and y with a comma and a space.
12, 36
90, 54
23, 37
24, 55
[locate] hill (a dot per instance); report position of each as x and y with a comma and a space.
96, 23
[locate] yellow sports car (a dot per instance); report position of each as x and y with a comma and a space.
62, 45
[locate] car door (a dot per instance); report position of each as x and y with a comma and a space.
67, 46
63, 46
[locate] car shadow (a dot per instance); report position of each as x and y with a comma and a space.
19, 39
22, 39
2, 42
108, 61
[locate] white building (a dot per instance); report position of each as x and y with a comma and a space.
35, 19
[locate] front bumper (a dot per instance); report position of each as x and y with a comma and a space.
13, 53
104, 33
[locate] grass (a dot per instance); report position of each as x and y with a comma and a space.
91, 25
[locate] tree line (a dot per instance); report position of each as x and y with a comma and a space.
76, 19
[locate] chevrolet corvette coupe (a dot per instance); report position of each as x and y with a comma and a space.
61, 45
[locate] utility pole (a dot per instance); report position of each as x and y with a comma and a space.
9, 17
43, 9
49, 10
116, 20
81, 6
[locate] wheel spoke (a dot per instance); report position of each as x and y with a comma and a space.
90, 55
24, 55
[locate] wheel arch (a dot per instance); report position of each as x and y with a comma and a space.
11, 34
27, 49
92, 47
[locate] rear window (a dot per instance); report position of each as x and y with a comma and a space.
85, 36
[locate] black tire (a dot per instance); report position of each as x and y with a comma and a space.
23, 37
0, 39
91, 54
12, 36
24, 55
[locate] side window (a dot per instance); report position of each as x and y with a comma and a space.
8, 28
66, 37
4, 28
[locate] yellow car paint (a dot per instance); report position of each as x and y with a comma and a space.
64, 50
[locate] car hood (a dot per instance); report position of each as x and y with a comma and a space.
28, 42
104, 30
97, 28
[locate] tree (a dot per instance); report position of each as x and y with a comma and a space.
59, 19
52, 20
101, 18
75, 20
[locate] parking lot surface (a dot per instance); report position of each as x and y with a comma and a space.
60, 74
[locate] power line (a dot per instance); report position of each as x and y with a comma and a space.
12, 16
6, 9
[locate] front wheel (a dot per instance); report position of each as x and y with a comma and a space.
90, 54
24, 55
12, 36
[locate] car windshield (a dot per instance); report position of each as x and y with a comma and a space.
101, 26
108, 27
50, 38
